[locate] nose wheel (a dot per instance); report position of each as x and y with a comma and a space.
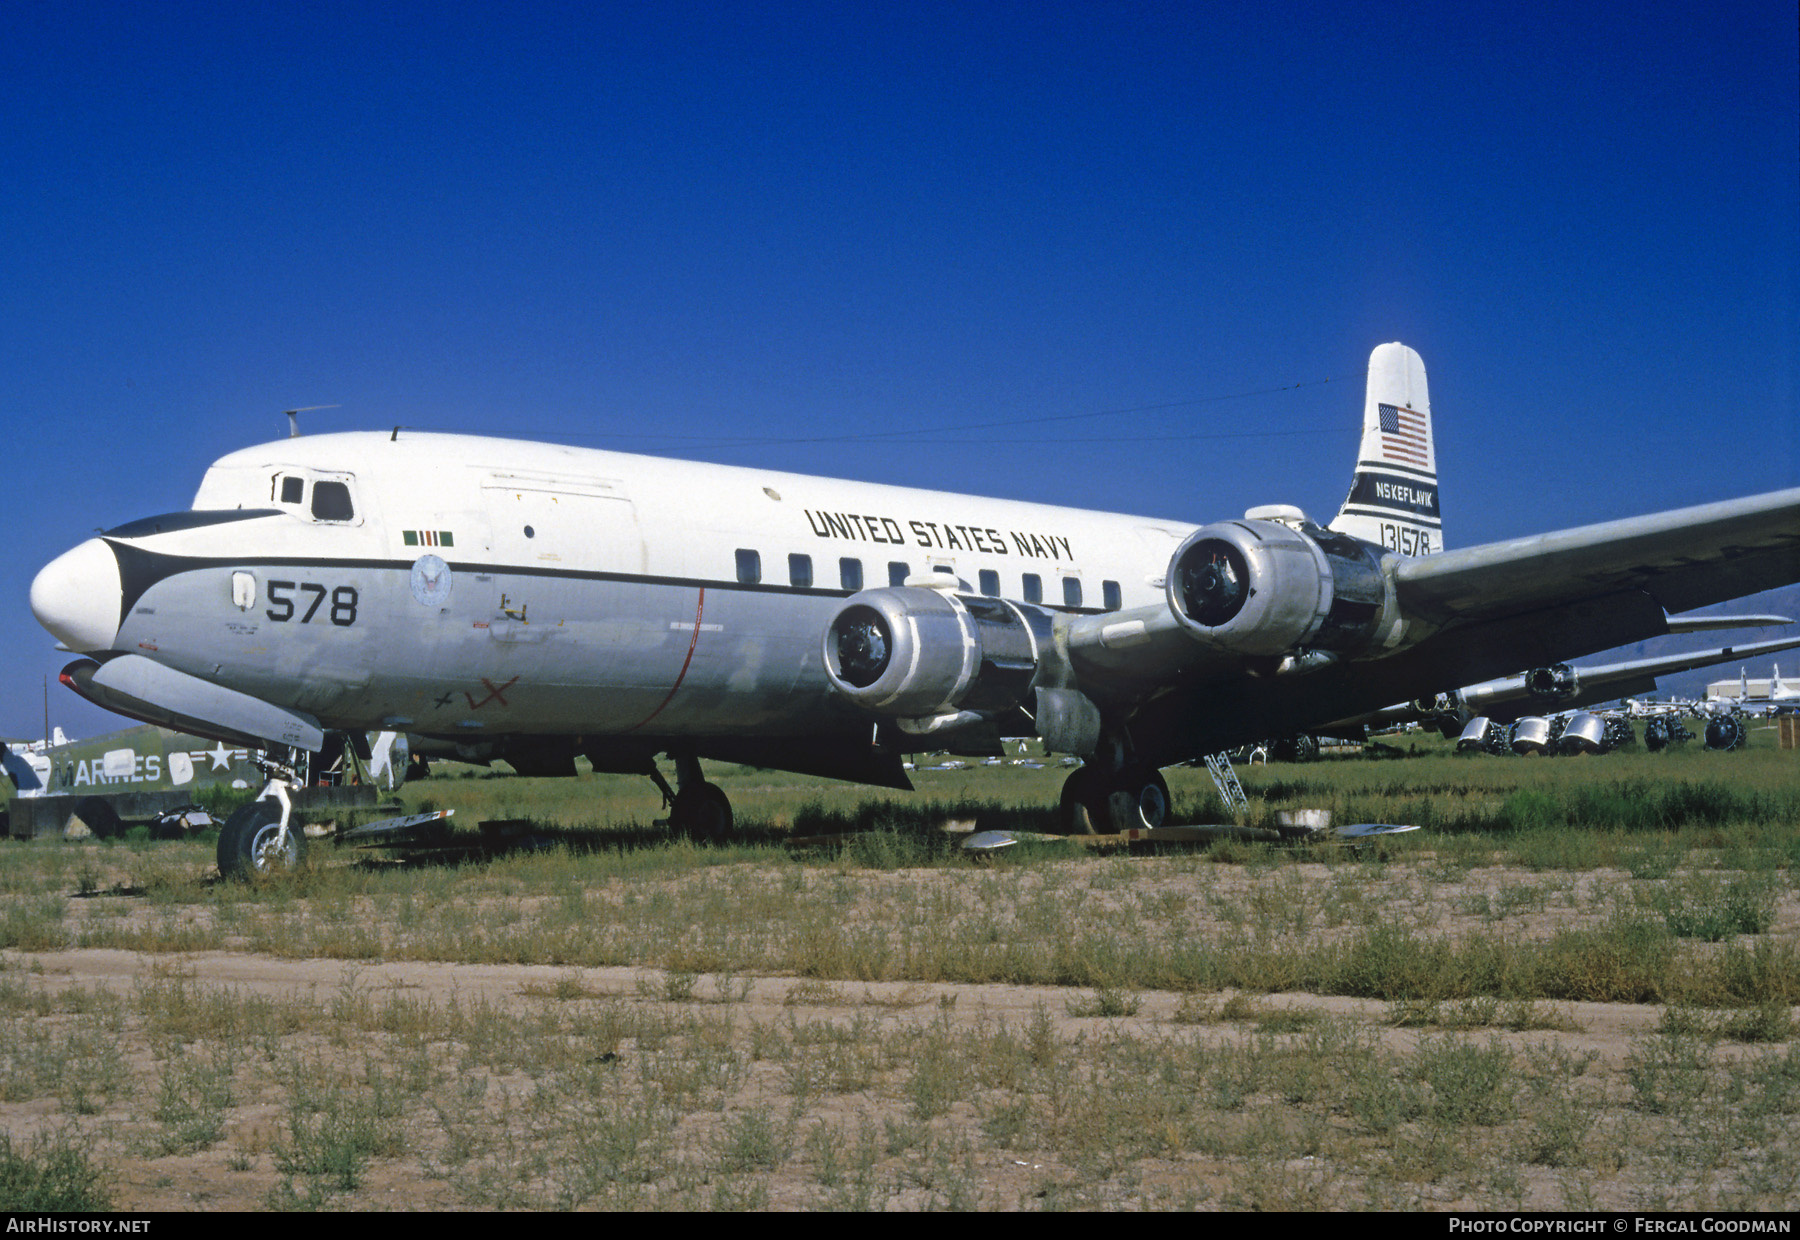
701, 811
697, 809
253, 845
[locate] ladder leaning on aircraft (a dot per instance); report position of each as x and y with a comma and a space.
533, 602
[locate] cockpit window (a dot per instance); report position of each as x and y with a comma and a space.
292, 489
331, 502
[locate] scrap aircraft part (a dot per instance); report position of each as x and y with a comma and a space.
1661, 731
1529, 735
1482, 735
1585, 733
931, 658
1267, 589
1725, 733
1301, 748
139, 688
1619, 733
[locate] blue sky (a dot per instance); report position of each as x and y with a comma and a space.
904, 243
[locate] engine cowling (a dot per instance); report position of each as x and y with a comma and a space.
911, 652
1267, 588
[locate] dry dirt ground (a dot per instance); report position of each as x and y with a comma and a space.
633, 1087
209, 1179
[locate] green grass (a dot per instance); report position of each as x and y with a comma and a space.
1635, 878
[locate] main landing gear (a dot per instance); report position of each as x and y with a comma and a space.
1114, 792
697, 809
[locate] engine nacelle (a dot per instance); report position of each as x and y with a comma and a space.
1556, 683
914, 653
1268, 588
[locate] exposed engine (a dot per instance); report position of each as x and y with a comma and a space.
1270, 588
914, 653
1557, 683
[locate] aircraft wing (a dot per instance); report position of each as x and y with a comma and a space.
1453, 619
1687, 558
1564, 688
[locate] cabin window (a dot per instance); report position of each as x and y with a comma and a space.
1110, 596
850, 574
331, 502
990, 583
898, 573
1034, 588
800, 571
749, 567
1072, 591
293, 490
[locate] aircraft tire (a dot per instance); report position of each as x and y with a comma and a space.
1082, 809
702, 812
247, 842
1138, 799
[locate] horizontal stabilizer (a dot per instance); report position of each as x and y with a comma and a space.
138, 688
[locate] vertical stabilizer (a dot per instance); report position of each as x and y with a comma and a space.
1393, 501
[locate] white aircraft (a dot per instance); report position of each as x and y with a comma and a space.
535, 602
1779, 691
1561, 687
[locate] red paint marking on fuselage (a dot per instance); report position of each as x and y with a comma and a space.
494, 695
693, 641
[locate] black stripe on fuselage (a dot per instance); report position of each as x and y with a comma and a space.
140, 569
191, 519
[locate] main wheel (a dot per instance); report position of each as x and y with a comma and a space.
1082, 809
1137, 799
701, 811
250, 843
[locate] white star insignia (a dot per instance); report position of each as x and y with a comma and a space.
221, 757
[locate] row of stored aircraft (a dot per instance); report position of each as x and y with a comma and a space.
536, 602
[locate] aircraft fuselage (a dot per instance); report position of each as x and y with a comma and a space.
467, 586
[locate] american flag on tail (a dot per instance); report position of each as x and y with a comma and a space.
1403, 436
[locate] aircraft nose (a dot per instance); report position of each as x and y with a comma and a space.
77, 596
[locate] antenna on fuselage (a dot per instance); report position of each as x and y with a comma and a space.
293, 417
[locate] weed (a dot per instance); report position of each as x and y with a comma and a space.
1106, 1001
52, 1176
